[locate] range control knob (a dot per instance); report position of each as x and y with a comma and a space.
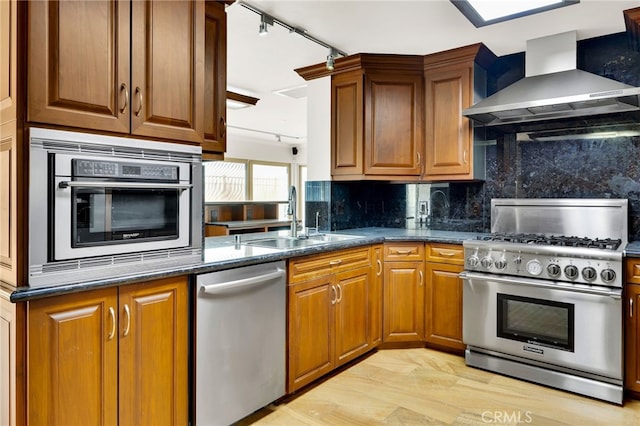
473, 261
517, 260
589, 273
571, 271
534, 267
486, 262
608, 275
553, 269
501, 263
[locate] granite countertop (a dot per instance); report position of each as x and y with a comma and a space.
632, 249
222, 253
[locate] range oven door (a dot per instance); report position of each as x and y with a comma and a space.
94, 214
573, 326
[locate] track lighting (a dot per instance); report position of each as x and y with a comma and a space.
265, 20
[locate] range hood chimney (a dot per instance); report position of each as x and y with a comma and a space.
554, 89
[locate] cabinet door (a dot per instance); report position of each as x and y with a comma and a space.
448, 134
403, 302
393, 124
352, 314
153, 365
311, 325
347, 123
73, 359
632, 339
443, 305
167, 69
215, 78
375, 297
78, 64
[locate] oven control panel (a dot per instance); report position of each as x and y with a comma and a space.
605, 271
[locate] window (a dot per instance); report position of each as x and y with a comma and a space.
242, 180
487, 12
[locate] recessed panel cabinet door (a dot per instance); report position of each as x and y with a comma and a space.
73, 359
352, 314
78, 59
403, 302
215, 79
632, 330
153, 384
346, 123
443, 305
167, 69
393, 124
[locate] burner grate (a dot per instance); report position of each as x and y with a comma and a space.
554, 240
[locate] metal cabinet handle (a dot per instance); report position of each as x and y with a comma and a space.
403, 252
447, 253
335, 293
339, 297
379, 268
223, 127
419, 158
127, 327
335, 262
421, 277
112, 333
464, 156
123, 87
630, 308
139, 93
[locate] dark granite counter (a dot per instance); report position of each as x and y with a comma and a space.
633, 249
222, 253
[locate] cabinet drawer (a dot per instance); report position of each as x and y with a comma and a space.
447, 253
632, 270
309, 267
403, 251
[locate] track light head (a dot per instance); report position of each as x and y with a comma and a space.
331, 59
265, 21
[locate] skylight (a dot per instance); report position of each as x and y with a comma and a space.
487, 12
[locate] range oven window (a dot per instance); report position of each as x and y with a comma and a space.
537, 321
115, 215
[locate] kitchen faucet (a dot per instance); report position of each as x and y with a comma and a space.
291, 210
430, 209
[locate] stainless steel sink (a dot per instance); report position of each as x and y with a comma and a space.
333, 237
284, 242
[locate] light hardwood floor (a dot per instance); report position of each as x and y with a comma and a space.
426, 387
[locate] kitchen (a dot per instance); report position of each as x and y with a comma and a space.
510, 174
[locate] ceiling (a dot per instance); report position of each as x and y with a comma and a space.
260, 65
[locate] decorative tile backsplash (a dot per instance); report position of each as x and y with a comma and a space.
601, 166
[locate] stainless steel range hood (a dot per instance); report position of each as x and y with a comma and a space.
553, 89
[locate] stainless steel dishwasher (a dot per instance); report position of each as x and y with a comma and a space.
240, 342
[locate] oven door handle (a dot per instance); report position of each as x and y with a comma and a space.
613, 293
130, 185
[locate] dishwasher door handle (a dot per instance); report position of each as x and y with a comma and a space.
237, 284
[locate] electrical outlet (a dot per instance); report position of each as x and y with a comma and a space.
422, 207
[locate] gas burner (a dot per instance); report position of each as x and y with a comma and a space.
554, 240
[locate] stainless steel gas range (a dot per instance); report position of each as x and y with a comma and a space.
542, 294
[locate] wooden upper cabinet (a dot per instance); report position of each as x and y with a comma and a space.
78, 64
215, 79
452, 79
376, 117
393, 124
118, 66
167, 72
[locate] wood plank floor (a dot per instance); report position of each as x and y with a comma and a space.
426, 387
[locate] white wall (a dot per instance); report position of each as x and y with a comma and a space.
319, 129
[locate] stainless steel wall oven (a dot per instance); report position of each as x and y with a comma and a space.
542, 294
104, 205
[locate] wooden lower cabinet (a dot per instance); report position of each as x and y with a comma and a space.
631, 312
329, 313
443, 297
110, 356
375, 295
403, 292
